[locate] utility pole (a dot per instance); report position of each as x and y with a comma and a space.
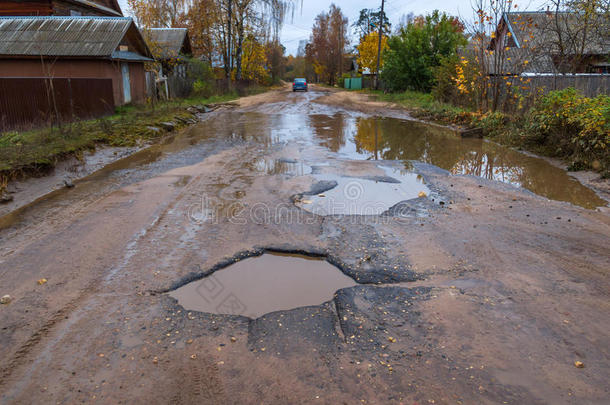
381, 15
229, 42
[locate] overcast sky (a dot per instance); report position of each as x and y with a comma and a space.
299, 28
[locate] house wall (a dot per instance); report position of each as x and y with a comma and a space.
25, 8
65, 8
49, 7
501, 41
137, 78
25, 102
80, 68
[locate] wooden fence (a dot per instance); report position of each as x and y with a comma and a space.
29, 102
590, 85
528, 88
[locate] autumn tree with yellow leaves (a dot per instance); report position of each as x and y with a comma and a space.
327, 46
219, 29
367, 51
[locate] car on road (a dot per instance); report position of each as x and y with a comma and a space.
299, 84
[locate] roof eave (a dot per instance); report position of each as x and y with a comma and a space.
510, 29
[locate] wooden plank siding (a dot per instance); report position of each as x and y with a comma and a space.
25, 8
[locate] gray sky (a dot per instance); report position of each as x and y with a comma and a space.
299, 28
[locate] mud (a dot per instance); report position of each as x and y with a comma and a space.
487, 298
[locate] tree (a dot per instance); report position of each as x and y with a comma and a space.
243, 10
574, 25
158, 13
201, 23
328, 43
369, 21
254, 60
219, 28
276, 60
367, 51
418, 50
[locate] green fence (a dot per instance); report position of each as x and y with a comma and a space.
354, 83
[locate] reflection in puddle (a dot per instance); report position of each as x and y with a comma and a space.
282, 166
364, 196
259, 285
395, 139
344, 135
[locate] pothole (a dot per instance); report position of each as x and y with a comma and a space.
371, 195
260, 285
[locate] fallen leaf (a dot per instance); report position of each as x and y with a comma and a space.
422, 194
42, 281
579, 364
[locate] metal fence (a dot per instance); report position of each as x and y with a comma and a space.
29, 102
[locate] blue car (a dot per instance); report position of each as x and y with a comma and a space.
299, 84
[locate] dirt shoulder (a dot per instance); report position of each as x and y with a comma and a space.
30, 183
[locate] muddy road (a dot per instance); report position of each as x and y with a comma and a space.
310, 248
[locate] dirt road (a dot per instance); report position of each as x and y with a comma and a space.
476, 274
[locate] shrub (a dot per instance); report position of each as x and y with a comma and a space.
573, 126
202, 77
418, 49
341, 80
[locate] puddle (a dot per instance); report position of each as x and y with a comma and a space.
282, 166
260, 285
396, 139
342, 135
364, 196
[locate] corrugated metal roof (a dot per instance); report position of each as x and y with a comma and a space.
166, 42
62, 36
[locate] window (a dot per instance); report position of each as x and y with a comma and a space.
75, 13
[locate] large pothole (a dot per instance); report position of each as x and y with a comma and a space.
260, 285
371, 195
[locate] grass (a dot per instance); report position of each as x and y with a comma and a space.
424, 106
36, 151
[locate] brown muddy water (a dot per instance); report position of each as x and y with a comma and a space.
260, 285
318, 139
396, 139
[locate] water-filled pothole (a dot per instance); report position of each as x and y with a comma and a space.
364, 196
259, 285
